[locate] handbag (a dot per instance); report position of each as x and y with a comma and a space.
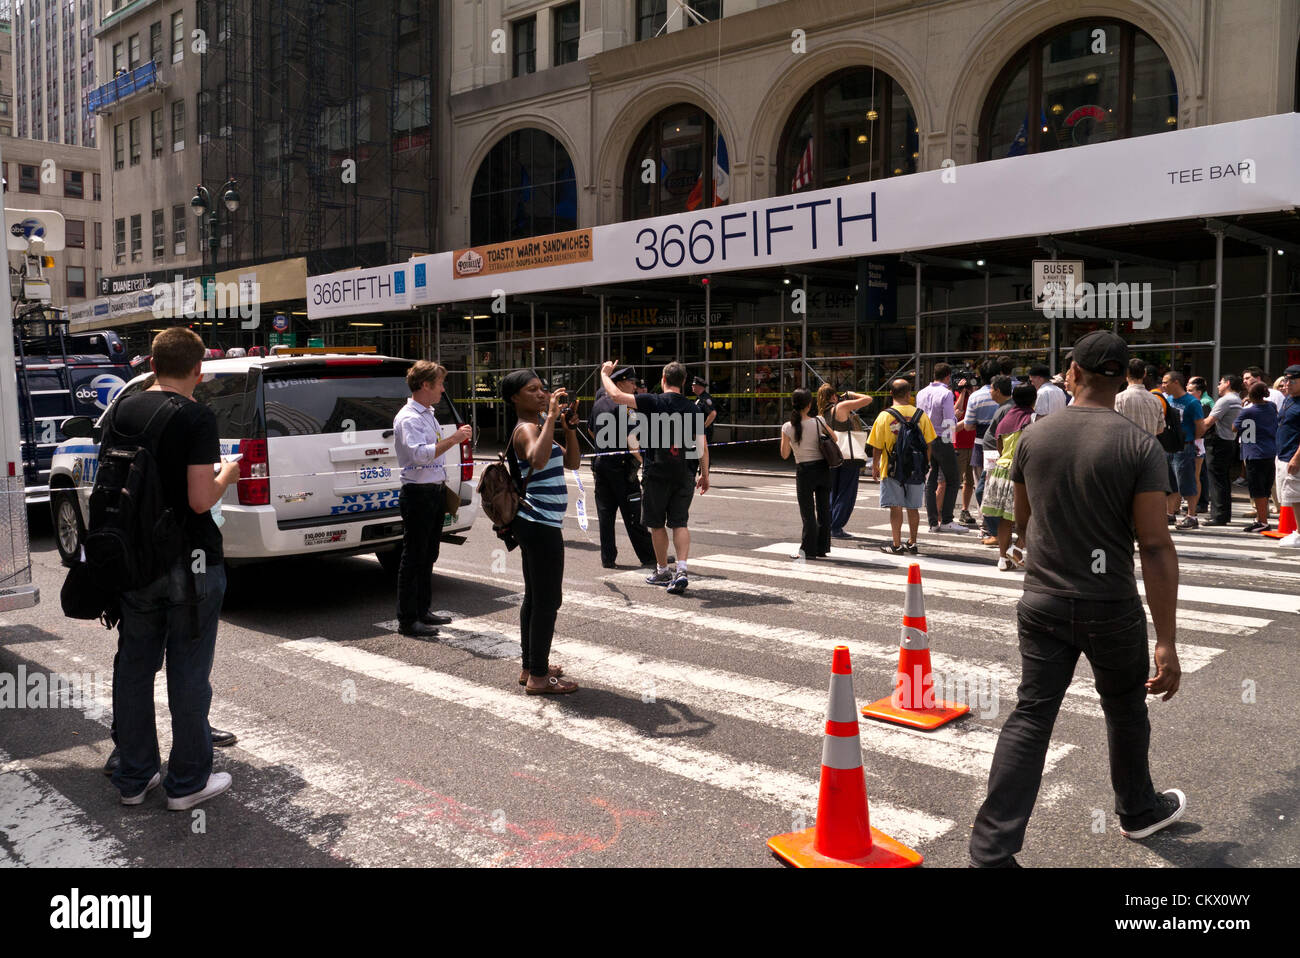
830, 449
852, 442
451, 500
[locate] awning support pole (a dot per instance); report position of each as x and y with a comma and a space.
1218, 303
532, 334
916, 358
708, 327
803, 322
1268, 305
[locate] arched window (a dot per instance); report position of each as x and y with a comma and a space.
525, 186
854, 125
1084, 82
678, 163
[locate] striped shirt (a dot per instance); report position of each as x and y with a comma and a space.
980, 407
546, 497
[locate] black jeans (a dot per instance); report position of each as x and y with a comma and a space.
1053, 631
619, 490
158, 620
812, 482
943, 458
542, 550
1219, 456
423, 511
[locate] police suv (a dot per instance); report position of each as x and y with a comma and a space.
319, 469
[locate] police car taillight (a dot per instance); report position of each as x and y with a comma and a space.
254, 474
466, 461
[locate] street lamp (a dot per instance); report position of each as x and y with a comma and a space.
202, 204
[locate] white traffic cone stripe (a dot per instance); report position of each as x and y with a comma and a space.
842, 752
914, 638
842, 706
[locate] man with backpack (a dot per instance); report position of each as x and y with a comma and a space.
902, 436
152, 542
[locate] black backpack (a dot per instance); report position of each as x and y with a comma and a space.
908, 463
1171, 438
134, 537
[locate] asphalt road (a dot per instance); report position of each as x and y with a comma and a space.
697, 733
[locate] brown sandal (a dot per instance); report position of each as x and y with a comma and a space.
553, 686
553, 670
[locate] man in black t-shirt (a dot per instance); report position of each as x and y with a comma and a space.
163, 617
674, 448
618, 489
705, 405
1086, 481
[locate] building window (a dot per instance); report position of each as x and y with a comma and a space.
119, 241
74, 183
651, 15
523, 46
203, 100
119, 146
156, 130
133, 51
134, 126
95, 179
178, 229
99, 235
681, 145
708, 9
1071, 87
178, 125
159, 234
76, 282
4, 176
850, 127
119, 59
178, 36
525, 186
413, 107
155, 42
565, 28
29, 179
137, 238
75, 233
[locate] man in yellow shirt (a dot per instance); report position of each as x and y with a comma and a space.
902, 473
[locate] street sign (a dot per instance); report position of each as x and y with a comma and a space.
316, 341
280, 322
1056, 282
282, 339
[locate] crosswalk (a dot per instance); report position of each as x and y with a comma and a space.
747, 650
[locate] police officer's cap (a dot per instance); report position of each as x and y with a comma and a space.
699, 381
627, 372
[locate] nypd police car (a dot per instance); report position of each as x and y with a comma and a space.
319, 469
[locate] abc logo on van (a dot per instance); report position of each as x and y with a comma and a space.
100, 390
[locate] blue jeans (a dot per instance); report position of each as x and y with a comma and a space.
1053, 631
158, 620
1183, 465
844, 493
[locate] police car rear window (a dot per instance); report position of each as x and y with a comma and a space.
314, 401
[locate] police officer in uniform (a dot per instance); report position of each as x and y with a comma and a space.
705, 406
618, 487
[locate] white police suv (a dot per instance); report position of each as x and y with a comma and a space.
319, 469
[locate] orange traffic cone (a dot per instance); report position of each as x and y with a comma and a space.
1285, 523
912, 702
843, 836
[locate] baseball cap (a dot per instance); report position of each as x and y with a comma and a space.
1100, 352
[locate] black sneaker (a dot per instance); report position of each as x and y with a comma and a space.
890, 549
678, 585
1173, 520
966, 519
114, 760
1005, 863
909, 548
1188, 522
1170, 807
660, 578
1257, 527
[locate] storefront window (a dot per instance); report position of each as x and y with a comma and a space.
671, 166
1085, 82
526, 186
852, 126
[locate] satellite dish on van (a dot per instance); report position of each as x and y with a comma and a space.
25, 225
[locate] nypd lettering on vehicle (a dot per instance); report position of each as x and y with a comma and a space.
368, 502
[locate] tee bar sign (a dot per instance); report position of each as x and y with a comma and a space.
1057, 283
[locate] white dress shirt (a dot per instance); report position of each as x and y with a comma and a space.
415, 436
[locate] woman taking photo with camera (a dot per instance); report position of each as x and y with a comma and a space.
799, 435
542, 456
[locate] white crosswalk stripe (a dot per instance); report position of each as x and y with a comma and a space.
41, 828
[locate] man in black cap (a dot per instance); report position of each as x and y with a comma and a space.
618, 487
1086, 478
705, 405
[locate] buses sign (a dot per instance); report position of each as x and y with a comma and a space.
1057, 282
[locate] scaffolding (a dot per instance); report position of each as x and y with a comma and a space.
323, 117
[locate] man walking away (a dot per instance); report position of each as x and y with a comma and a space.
175, 615
903, 437
1221, 448
675, 447
422, 502
1183, 462
937, 402
1084, 478
1051, 398
618, 486
1138, 404
1288, 451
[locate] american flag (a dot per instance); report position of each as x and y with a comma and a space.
804, 174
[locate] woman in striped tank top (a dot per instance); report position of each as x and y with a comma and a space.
542, 458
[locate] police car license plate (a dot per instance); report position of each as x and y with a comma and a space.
369, 474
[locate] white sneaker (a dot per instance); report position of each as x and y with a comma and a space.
1290, 540
1005, 564
139, 799
218, 782
953, 527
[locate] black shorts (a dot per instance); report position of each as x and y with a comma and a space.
666, 502
1259, 477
